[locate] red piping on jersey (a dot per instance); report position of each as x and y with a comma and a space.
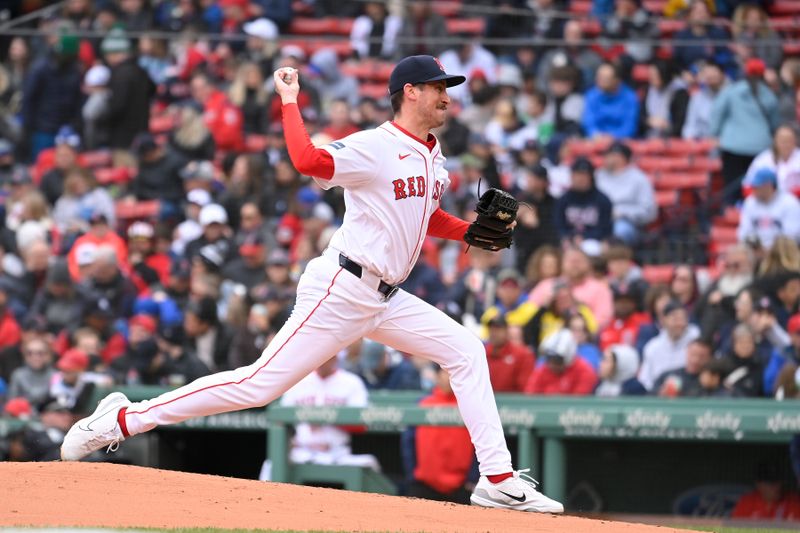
307, 158
430, 143
259, 369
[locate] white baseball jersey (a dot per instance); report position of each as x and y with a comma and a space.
393, 184
342, 388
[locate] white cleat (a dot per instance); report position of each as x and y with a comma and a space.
98, 430
517, 492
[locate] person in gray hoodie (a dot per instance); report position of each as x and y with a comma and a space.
618, 370
630, 192
32, 381
743, 118
330, 83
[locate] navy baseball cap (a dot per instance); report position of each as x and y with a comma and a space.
420, 69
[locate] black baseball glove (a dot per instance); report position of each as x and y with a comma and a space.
496, 210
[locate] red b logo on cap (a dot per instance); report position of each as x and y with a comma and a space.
439, 63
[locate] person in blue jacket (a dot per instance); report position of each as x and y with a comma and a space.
779, 359
611, 107
583, 212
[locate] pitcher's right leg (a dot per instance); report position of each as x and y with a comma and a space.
330, 314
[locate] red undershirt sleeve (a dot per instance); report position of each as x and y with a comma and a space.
446, 226
307, 159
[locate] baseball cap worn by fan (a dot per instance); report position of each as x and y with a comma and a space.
199, 197
764, 176
68, 136
73, 360
262, 28
420, 69
146, 322
213, 214
141, 230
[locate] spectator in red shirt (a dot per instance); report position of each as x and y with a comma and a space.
627, 321
510, 363
563, 372
769, 501
223, 119
10, 333
100, 235
444, 455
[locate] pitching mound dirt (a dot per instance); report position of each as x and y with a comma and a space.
107, 495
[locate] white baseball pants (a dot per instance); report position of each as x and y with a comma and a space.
334, 308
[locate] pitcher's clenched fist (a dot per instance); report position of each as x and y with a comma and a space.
287, 84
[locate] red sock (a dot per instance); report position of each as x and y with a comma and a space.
121, 421
497, 478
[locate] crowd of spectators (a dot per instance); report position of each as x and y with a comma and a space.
153, 228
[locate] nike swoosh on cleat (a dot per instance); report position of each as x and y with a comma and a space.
401, 157
520, 499
89, 425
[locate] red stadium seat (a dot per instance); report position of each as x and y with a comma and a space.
113, 176
657, 274
126, 210
162, 124
663, 164
785, 7
730, 218
95, 159
377, 91
447, 9
647, 146
580, 7
313, 26
374, 71
666, 27
302, 8
655, 6
689, 146
787, 25
590, 27
706, 164
791, 48
473, 26
587, 147
666, 198
723, 235
343, 26
342, 47
682, 180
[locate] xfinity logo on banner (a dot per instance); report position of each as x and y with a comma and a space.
575, 417
517, 417
439, 416
711, 421
382, 415
780, 422
316, 415
652, 419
